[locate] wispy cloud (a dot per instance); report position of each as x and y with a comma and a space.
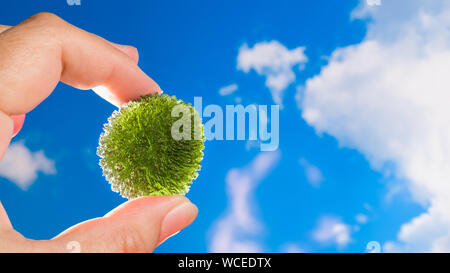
274, 61
235, 230
361, 218
312, 173
388, 98
331, 229
22, 166
228, 90
291, 248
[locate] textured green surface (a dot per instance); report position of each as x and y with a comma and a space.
140, 157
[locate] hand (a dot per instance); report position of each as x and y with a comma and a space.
34, 56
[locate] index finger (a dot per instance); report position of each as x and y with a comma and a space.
43, 50
130, 51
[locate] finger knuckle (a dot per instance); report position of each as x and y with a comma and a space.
46, 17
132, 240
46, 23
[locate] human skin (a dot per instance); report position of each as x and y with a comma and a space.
34, 56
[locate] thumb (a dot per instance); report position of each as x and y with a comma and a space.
4, 220
138, 225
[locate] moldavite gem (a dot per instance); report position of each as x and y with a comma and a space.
141, 155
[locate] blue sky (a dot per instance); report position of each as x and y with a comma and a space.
334, 184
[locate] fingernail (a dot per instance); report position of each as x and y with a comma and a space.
18, 123
167, 238
177, 219
129, 50
6, 130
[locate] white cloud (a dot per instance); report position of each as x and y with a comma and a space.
274, 61
331, 229
228, 90
361, 218
291, 248
21, 166
389, 98
234, 231
312, 173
